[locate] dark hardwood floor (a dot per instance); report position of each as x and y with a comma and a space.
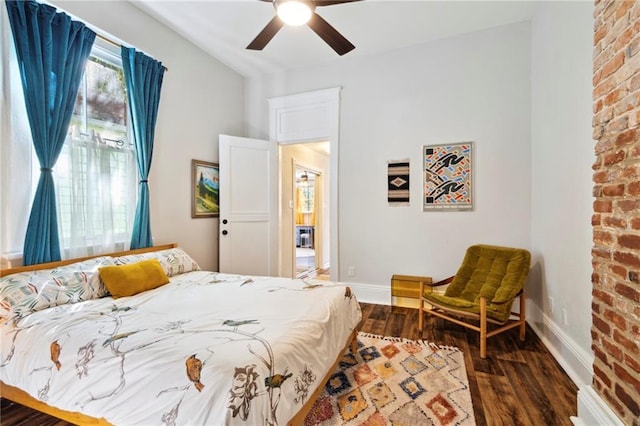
519, 383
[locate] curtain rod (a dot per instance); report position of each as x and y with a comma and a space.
116, 44
91, 27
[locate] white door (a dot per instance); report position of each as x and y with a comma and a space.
248, 206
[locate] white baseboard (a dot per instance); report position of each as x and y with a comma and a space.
593, 411
369, 293
575, 360
578, 363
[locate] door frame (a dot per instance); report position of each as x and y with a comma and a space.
310, 117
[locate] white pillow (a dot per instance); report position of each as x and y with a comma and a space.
174, 261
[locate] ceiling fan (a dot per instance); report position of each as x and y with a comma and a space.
300, 12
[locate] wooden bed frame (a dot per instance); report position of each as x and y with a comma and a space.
21, 397
51, 265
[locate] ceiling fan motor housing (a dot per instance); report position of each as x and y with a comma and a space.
294, 12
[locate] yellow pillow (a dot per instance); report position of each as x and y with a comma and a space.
133, 278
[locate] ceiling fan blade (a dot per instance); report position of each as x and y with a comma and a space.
330, 35
331, 2
267, 33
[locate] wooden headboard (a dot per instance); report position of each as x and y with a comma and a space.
51, 265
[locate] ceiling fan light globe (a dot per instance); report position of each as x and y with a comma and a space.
293, 12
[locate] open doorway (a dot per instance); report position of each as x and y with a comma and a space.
305, 230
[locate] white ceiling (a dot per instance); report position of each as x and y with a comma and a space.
223, 28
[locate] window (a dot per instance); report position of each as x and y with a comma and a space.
96, 174
305, 182
307, 199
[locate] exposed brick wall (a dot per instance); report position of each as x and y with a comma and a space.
616, 219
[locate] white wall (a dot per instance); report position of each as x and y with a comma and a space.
469, 88
562, 155
523, 95
200, 99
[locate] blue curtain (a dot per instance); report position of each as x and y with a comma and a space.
143, 78
52, 51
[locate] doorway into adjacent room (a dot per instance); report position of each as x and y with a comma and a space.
306, 203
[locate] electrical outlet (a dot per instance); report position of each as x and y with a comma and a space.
351, 271
565, 319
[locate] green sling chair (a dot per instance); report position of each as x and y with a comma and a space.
483, 289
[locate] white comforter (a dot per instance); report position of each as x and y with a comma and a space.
207, 348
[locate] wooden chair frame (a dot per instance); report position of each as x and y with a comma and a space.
459, 316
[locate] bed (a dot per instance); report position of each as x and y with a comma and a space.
205, 348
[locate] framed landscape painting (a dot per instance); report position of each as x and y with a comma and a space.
448, 177
204, 189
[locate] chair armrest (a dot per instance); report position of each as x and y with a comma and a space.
423, 285
442, 282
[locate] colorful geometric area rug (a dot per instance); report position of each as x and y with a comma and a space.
395, 381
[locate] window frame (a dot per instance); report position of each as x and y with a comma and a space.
110, 53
